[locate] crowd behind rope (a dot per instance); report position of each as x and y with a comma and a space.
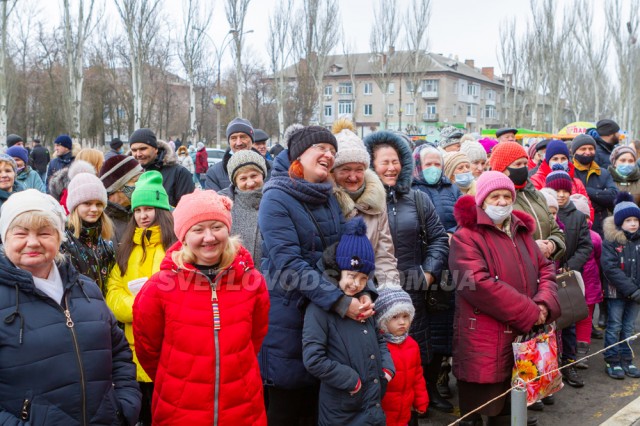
329, 280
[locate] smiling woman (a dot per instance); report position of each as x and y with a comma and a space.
8, 183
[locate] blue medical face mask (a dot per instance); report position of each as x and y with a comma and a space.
464, 180
625, 169
432, 174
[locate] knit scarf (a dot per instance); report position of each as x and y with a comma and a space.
388, 337
248, 199
300, 189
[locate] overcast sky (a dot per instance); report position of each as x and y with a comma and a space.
466, 29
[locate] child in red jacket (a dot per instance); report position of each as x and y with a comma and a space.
407, 391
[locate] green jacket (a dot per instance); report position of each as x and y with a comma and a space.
530, 201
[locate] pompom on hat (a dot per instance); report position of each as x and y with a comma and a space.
492, 181
625, 208
559, 180
354, 251
392, 301
200, 206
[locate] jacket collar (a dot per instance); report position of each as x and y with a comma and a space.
372, 201
468, 215
590, 169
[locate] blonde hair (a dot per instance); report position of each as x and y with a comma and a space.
93, 157
75, 223
36, 219
185, 255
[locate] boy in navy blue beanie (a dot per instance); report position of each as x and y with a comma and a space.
349, 357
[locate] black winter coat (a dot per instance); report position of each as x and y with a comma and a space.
39, 158
603, 149
602, 191
176, 180
620, 261
59, 163
90, 254
340, 352
443, 195
62, 368
577, 237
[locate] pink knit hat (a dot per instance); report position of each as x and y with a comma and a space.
85, 187
200, 206
491, 181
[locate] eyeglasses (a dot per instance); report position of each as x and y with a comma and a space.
324, 150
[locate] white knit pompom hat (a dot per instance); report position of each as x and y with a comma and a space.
351, 149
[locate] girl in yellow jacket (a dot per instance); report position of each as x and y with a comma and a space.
147, 236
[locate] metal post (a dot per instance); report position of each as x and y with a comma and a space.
519, 404
218, 126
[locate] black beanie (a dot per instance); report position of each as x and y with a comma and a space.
145, 136
607, 127
302, 139
240, 125
115, 143
13, 139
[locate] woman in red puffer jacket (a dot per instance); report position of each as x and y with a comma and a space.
199, 322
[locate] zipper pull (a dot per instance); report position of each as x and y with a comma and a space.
69, 320
24, 413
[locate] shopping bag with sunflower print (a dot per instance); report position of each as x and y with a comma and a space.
536, 362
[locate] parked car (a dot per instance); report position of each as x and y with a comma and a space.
214, 155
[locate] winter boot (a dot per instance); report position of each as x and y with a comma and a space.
602, 318
582, 351
571, 377
596, 333
443, 380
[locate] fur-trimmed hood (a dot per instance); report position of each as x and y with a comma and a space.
372, 201
401, 145
468, 215
166, 155
614, 234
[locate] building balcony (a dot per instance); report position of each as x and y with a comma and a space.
471, 119
429, 117
491, 102
429, 95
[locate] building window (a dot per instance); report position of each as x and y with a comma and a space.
328, 110
491, 95
328, 91
409, 108
391, 89
490, 112
429, 86
409, 86
455, 87
431, 108
368, 109
391, 109
345, 107
473, 90
472, 111
345, 88
368, 88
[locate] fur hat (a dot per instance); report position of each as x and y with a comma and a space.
474, 151
200, 206
85, 187
31, 200
118, 170
625, 208
551, 197
491, 181
246, 157
504, 154
452, 160
392, 301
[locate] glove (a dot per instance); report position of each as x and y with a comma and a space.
635, 296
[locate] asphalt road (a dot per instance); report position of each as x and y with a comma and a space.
599, 399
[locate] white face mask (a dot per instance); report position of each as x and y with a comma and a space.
498, 214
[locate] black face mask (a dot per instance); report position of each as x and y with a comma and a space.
585, 160
518, 176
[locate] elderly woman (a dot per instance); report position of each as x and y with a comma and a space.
477, 156
624, 170
504, 286
457, 167
360, 193
198, 324
419, 239
299, 218
247, 173
65, 361
8, 182
27, 177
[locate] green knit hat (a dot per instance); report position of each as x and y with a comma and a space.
149, 192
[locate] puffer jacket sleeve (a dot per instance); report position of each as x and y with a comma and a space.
385, 355
437, 239
314, 353
386, 262
585, 247
119, 299
148, 326
613, 273
547, 293
491, 296
124, 375
260, 313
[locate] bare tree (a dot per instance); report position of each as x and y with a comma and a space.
509, 61
139, 18
236, 11
417, 41
350, 64
76, 31
280, 47
382, 42
196, 21
6, 7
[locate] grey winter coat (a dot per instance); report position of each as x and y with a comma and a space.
372, 207
244, 220
620, 261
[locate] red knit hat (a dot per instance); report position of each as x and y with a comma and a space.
504, 154
491, 181
200, 206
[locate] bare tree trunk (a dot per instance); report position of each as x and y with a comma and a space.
417, 18
382, 41
236, 11
280, 46
5, 11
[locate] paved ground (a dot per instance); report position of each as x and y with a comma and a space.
597, 401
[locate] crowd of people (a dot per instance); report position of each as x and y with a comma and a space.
329, 280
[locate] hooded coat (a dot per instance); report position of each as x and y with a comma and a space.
291, 249
39, 158
119, 298
620, 261
603, 149
371, 205
204, 374
176, 180
404, 224
499, 282
62, 365
201, 162
630, 184
601, 189
59, 163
